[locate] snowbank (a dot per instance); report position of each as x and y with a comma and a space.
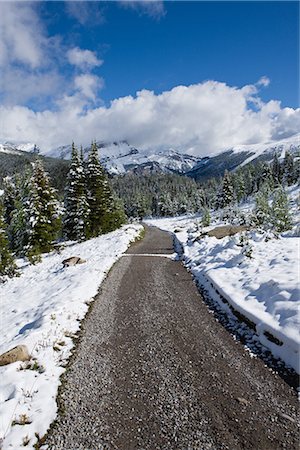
264, 288
42, 309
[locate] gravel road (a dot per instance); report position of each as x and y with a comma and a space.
154, 370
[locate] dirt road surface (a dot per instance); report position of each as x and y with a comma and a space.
154, 370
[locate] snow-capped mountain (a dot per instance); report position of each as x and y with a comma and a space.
241, 155
121, 157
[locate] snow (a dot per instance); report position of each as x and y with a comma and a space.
117, 156
264, 288
43, 309
289, 144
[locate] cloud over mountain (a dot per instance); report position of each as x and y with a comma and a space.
199, 119
51, 95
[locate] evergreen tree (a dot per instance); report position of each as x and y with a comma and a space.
75, 221
276, 170
9, 197
226, 195
106, 213
248, 179
205, 217
239, 187
20, 216
266, 178
281, 217
288, 169
42, 220
262, 211
7, 264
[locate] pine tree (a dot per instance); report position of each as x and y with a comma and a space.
43, 222
288, 169
106, 214
7, 264
281, 217
262, 211
226, 195
205, 217
239, 187
75, 222
9, 197
18, 229
266, 178
276, 170
95, 180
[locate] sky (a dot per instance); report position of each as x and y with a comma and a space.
199, 77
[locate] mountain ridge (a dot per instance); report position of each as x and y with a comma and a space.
120, 157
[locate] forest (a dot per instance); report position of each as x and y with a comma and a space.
85, 202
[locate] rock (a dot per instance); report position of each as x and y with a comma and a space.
243, 401
226, 230
72, 261
286, 417
19, 353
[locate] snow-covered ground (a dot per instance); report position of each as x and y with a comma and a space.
43, 309
264, 287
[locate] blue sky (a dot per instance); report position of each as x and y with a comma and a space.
199, 77
234, 42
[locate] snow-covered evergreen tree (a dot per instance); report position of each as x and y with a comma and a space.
239, 187
226, 195
266, 178
205, 221
9, 197
262, 211
288, 169
43, 220
7, 263
280, 214
276, 170
20, 216
75, 221
105, 214
95, 180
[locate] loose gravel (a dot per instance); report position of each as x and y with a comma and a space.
153, 369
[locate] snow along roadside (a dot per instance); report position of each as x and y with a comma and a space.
43, 309
264, 288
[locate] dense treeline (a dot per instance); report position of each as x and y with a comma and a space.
169, 194
19, 163
158, 194
32, 218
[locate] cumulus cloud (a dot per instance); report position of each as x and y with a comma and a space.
32, 62
22, 37
84, 59
200, 119
88, 85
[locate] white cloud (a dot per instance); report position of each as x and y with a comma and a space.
86, 12
151, 8
200, 119
263, 81
88, 85
21, 37
84, 59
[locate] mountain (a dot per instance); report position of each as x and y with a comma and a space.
17, 158
120, 157
241, 155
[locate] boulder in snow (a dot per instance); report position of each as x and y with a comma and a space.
72, 261
19, 353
